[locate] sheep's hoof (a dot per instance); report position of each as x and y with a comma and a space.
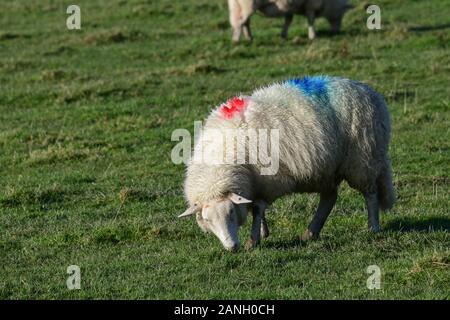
251, 244
311, 37
375, 229
308, 235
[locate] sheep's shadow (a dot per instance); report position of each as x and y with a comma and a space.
430, 28
401, 224
294, 242
412, 224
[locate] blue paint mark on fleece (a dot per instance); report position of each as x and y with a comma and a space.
312, 87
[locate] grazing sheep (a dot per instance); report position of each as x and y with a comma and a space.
242, 10
330, 129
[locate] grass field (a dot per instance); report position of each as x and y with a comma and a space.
86, 178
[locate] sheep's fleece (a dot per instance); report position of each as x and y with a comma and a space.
330, 129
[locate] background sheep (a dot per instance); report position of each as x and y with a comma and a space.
242, 10
331, 129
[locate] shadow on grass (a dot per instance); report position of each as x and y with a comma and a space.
430, 28
284, 244
411, 224
404, 224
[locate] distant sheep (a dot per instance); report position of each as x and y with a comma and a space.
242, 10
330, 129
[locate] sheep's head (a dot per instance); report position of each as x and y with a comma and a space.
222, 217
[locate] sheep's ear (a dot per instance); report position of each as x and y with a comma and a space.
190, 211
235, 198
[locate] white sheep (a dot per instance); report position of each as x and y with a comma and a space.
242, 10
330, 129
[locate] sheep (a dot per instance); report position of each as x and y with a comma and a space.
330, 129
241, 10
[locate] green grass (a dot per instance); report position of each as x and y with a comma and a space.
86, 177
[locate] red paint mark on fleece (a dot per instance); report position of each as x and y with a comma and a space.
233, 106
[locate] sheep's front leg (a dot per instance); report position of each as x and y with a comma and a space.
311, 32
264, 227
259, 208
373, 211
326, 204
287, 22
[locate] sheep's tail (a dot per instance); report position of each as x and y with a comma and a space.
386, 194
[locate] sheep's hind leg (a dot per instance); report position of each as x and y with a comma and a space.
335, 23
326, 204
246, 11
235, 19
259, 208
246, 30
373, 211
311, 31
